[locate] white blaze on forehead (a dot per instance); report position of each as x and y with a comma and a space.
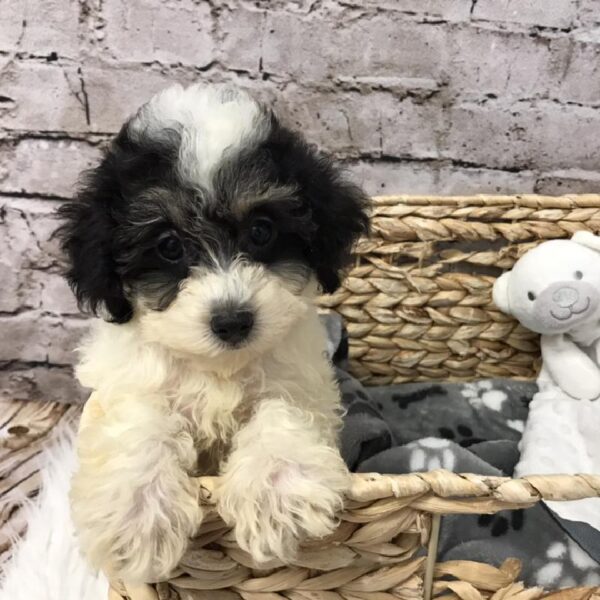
212, 119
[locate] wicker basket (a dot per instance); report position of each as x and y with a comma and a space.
418, 307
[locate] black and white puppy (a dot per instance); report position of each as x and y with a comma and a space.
202, 238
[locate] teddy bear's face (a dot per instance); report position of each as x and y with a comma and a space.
554, 288
564, 304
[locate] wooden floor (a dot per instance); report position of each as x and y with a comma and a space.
24, 429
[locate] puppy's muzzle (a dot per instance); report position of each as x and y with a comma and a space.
232, 325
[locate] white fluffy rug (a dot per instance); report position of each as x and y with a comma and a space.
46, 564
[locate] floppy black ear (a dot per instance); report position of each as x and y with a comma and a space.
338, 208
340, 215
86, 239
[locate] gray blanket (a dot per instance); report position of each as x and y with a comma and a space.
469, 428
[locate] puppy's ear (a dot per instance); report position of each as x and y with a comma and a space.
86, 240
338, 208
340, 214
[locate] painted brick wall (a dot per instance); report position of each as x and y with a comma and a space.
448, 96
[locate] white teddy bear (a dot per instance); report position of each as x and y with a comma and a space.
554, 290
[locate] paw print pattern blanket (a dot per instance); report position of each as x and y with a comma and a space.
474, 428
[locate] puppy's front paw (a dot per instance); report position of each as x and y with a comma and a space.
272, 517
140, 540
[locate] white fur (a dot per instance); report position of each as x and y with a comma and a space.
164, 389
292, 479
47, 563
213, 120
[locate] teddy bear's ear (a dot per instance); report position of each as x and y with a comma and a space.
587, 239
500, 293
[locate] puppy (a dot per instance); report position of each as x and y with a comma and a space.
202, 239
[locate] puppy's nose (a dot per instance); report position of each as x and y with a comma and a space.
232, 325
565, 297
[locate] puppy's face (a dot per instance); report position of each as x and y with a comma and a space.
208, 224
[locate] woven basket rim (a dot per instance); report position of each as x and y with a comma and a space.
442, 491
565, 201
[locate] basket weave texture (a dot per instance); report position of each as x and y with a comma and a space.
376, 552
418, 307
418, 303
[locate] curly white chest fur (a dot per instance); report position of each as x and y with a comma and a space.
116, 364
269, 429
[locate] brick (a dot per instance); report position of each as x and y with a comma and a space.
51, 27
44, 166
558, 13
115, 93
28, 228
456, 10
20, 289
383, 45
55, 107
57, 297
33, 337
411, 128
301, 6
34, 289
568, 181
65, 334
542, 135
241, 33
415, 87
432, 178
581, 81
369, 123
166, 32
504, 64
20, 246
455, 180
11, 300
29, 263
381, 178
588, 13
340, 124
57, 384
12, 15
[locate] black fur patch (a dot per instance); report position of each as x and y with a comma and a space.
135, 196
337, 208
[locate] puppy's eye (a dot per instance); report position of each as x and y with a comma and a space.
531, 296
169, 246
262, 231
578, 275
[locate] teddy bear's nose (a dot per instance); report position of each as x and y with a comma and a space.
565, 297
